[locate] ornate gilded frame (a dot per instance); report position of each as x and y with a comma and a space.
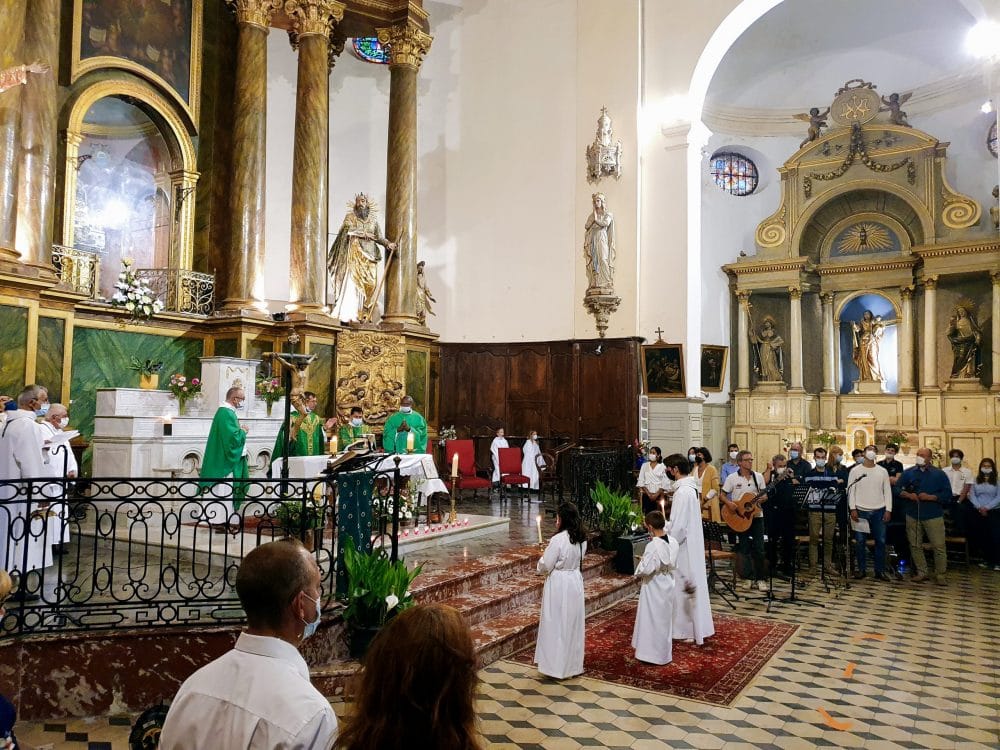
655, 383
723, 352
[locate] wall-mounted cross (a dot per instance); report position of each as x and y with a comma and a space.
659, 334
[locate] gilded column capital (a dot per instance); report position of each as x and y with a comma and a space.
337, 43
995, 276
313, 17
906, 292
254, 12
407, 44
743, 295
795, 292
826, 298
931, 282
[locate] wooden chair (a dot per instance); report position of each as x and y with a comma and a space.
468, 473
510, 471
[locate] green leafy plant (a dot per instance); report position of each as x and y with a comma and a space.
149, 367
826, 439
897, 437
296, 517
615, 513
378, 589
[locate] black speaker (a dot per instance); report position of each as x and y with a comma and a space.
627, 548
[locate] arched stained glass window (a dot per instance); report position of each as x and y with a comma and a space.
734, 173
369, 49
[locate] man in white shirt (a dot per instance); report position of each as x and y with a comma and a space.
961, 481
869, 498
258, 696
750, 545
58, 463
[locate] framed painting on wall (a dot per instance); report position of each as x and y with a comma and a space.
663, 370
156, 39
713, 367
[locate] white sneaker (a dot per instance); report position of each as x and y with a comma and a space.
762, 585
747, 585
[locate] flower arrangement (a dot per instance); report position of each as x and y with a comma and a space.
826, 439
447, 433
183, 389
898, 437
270, 390
382, 508
615, 514
134, 295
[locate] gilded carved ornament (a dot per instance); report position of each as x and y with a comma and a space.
255, 12
931, 282
959, 211
771, 232
314, 17
795, 292
407, 44
906, 292
371, 369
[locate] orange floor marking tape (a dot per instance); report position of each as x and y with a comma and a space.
849, 670
842, 726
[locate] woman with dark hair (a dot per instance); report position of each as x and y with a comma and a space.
985, 498
708, 476
559, 650
418, 687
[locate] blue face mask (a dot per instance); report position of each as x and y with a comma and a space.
42, 410
311, 626
356, 422
793, 454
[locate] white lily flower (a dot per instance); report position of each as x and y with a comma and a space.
600, 508
391, 601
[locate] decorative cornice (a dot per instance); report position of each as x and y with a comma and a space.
767, 266
972, 247
931, 282
407, 43
254, 12
843, 268
313, 17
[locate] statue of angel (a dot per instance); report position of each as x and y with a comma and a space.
892, 105
816, 120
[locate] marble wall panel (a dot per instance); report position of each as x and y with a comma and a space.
13, 348
49, 360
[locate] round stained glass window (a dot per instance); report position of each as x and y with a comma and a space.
734, 173
370, 49
991, 139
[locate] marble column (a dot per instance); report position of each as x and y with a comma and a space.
906, 364
743, 341
244, 281
929, 380
407, 46
39, 109
795, 349
995, 343
312, 23
829, 345
11, 34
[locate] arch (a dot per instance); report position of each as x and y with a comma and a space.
848, 299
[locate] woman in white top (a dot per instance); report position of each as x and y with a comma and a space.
498, 442
528, 466
653, 481
559, 650
652, 636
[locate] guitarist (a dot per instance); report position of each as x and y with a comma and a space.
750, 544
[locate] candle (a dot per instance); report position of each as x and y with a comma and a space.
466, 521
333, 444
454, 466
538, 523
405, 532
663, 507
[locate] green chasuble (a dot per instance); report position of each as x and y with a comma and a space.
348, 434
311, 440
395, 442
224, 453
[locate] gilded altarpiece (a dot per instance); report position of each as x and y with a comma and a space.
371, 373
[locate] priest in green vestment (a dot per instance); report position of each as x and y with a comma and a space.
308, 438
225, 458
400, 425
354, 430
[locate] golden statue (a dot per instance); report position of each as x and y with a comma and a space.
353, 263
867, 339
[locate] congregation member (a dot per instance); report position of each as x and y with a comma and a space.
692, 608
708, 484
258, 696
895, 535
653, 481
857, 456
869, 497
418, 687
779, 521
652, 635
822, 525
59, 463
926, 490
559, 650
961, 480
750, 543
306, 429
984, 496
797, 464
730, 466
225, 462
353, 430
529, 466
499, 441
400, 425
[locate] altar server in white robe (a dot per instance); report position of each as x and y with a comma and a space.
59, 462
652, 636
692, 611
559, 650
528, 466
23, 544
498, 442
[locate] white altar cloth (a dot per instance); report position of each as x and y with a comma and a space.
410, 465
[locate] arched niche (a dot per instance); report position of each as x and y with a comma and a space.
849, 311
893, 224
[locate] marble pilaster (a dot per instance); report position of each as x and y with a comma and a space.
928, 379
11, 33
995, 340
906, 340
743, 342
795, 350
407, 45
829, 345
312, 23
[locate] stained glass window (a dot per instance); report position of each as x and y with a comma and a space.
734, 173
991, 139
369, 49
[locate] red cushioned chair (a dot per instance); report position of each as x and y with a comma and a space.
468, 476
510, 471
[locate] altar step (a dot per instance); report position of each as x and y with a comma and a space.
500, 596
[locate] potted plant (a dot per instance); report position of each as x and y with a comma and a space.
377, 590
149, 378
615, 514
899, 438
134, 295
301, 520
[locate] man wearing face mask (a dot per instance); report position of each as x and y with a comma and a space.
797, 464
258, 696
780, 517
354, 430
730, 466
870, 498
225, 460
41, 401
926, 489
395, 439
961, 484
895, 534
58, 462
308, 438
529, 466
821, 524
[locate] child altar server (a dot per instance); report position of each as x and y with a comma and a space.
559, 650
652, 637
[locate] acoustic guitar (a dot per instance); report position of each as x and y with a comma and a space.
747, 505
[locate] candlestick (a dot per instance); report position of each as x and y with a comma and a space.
663, 507
454, 466
453, 515
409, 442
538, 523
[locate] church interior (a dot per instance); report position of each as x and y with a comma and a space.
750, 222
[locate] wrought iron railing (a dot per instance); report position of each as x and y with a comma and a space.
181, 290
78, 269
585, 466
160, 552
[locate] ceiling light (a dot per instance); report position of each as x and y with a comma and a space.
983, 40
987, 107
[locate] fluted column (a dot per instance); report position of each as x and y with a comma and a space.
829, 345
743, 341
795, 350
39, 105
995, 344
244, 283
11, 33
928, 380
906, 340
312, 23
407, 46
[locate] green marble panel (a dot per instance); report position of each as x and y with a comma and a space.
257, 348
227, 348
321, 380
13, 349
416, 378
101, 360
49, 360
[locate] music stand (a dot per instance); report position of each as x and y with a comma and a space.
798, 495
820, 496
712, 533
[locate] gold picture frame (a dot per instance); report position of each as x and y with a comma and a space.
663, 370
713, 367
159, 41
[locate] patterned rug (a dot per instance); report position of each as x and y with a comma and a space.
714, 673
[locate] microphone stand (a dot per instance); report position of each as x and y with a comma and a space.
791, 598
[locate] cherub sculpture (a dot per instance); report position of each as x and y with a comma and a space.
816, 120
892, 105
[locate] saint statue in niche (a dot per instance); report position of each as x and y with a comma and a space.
353, 263
424, 296
767, 345
867, 339
965, 337
599, 247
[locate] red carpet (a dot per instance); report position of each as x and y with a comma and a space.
715, 673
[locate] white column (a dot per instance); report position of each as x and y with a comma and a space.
829, 345
743, 341
906, 340
795, 350
928, 380
995, 276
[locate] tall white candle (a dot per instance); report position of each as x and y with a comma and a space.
538, 523
409, 442
454, 465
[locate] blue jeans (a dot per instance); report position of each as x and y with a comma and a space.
877, 525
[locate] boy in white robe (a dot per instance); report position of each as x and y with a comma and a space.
652, 636
498, 442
